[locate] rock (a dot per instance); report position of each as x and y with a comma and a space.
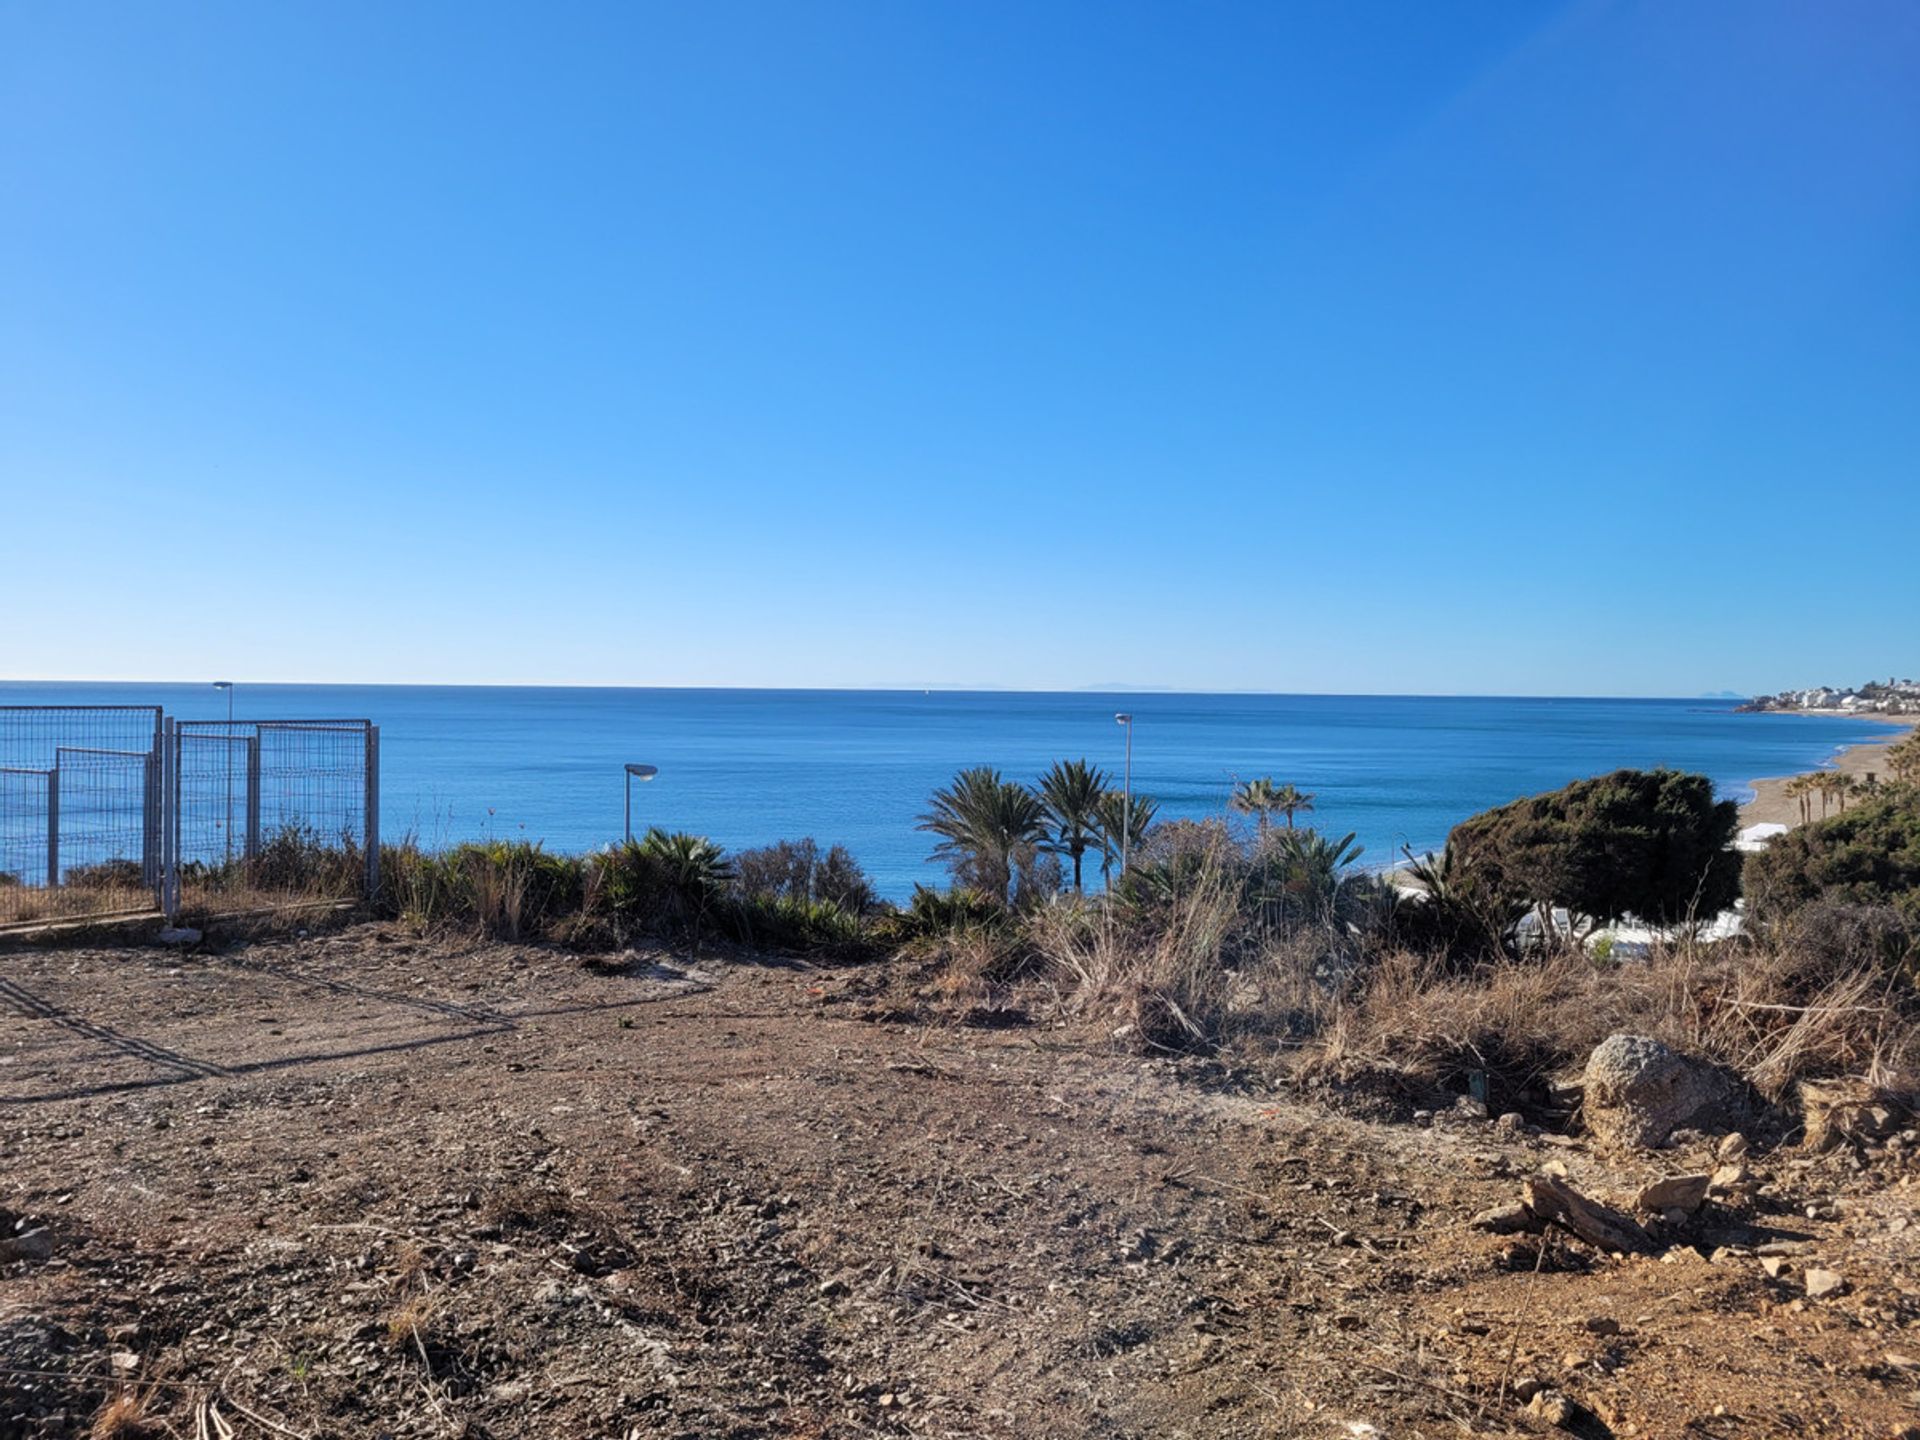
1508, 1220
1776, 1266
1602, 1325
1639, 1091
1731, 1147
1525, 1389
179, 935
1674, 1192
1469, 1108
1729, 1177
1554, 1408
34, 1245
1511, 1123
1823, 1283
1553, 1199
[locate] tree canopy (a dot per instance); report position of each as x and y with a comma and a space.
1649, 843
1867, 855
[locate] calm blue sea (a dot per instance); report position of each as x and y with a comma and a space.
750, 766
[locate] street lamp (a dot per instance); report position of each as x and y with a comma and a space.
636, 772
227, 685
1126, 805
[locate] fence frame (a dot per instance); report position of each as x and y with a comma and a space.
162, 811
151, 827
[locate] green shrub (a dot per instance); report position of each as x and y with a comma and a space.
1870, 856
1649, 843
799, 870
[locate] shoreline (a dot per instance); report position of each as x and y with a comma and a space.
1771, 805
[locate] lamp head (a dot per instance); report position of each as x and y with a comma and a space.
643, 772
1123, 719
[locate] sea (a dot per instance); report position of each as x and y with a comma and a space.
856, 767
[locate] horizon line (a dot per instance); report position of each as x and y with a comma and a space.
899, 689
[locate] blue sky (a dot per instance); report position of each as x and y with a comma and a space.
1478, 347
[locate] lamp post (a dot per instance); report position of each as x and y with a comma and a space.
227, 745
642, 773
1125, 721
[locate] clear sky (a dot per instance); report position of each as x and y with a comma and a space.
1419, 347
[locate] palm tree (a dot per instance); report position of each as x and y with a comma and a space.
983, 822
1904, 759
1070, 793
1290, 800
1258, 798
1823, 782
1800, 788
1845, 786
1117, 816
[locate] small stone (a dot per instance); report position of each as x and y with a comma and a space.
1511, 1123
1776, 1266
1823, 1283
1602, 1325
1525, 1389
1732, 1147
1506, 1220
1554, 1408
35, 1245
1729, 1177
1674, 1192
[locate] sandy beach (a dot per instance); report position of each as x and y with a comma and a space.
1772, 805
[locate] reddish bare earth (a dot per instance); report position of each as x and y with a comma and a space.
362, 1185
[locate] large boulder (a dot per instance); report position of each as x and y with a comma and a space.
1639, 1091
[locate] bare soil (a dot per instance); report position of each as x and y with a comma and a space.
360, 1184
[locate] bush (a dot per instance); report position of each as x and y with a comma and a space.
1870, 855
796, 870
1649, 843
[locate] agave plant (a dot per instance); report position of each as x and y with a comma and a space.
1307, 870
694, 872
984, 822
1070, 793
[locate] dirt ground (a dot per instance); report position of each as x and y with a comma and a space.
358, 1184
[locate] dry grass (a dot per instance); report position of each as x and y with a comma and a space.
408, 1323
1198, 969
1748, 1007
1196, 976
124, 1417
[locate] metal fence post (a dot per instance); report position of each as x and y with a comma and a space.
170, 822
53, 825
253, 794
373, 812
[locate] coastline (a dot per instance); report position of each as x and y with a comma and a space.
1771, 805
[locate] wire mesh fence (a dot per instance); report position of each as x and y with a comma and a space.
268, 812
110, 810
80, 810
